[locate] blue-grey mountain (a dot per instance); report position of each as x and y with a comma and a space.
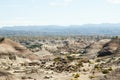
88, 29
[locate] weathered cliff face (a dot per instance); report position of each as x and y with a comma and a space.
9, 47
94, 48
110, 48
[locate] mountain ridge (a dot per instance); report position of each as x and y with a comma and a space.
87, 29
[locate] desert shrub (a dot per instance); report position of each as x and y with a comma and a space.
76, 75
57, 59
105, 71
70, 58
98, 60
110, 69
92, 76
12, 57
79, 64
84, 70
98, 67
35, 46
75, 68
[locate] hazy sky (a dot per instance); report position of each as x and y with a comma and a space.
59, 12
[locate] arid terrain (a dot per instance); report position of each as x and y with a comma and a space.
60, 58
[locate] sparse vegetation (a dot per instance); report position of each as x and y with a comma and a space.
57, 56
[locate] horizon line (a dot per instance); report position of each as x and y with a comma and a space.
56, 25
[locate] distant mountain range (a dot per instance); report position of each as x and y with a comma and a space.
88, 29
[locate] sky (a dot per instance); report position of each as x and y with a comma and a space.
58, 12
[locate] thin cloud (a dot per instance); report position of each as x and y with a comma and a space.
19, 20
60, 2
21, 23
114, 1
